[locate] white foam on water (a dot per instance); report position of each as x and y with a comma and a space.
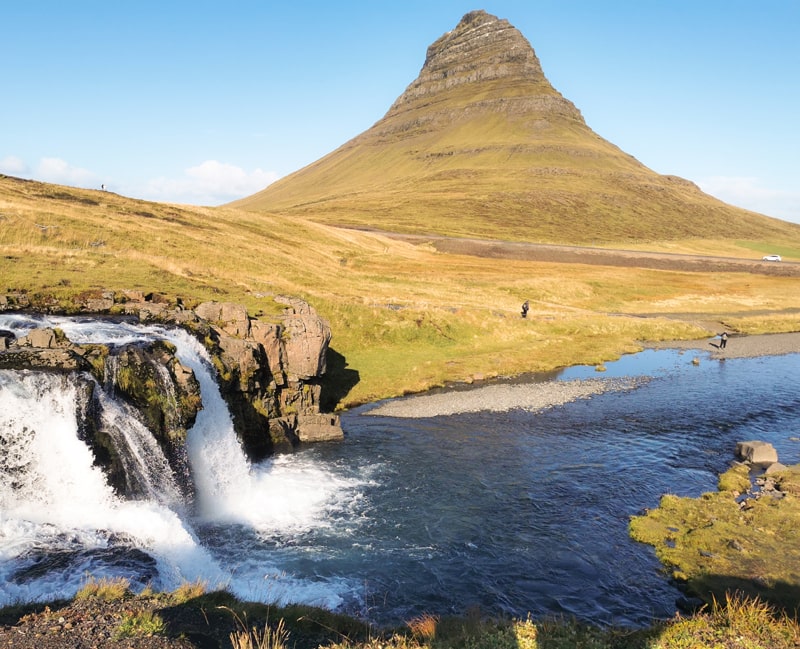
53, 498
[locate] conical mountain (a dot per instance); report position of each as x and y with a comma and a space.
482, 145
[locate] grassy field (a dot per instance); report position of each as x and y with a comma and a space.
107, 611
404, 318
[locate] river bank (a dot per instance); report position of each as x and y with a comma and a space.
738, 346
536, 396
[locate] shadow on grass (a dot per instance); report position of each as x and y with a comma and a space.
208, 621
339, 379
782, 596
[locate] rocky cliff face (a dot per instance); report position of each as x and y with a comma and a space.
269, 374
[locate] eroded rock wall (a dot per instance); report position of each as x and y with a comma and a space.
269, 371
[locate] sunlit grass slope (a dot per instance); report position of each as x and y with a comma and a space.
481, 145
404, 318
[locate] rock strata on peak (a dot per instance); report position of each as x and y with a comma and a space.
481, 50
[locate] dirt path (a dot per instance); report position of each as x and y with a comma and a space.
598, 256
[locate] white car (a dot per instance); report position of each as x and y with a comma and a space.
771, 258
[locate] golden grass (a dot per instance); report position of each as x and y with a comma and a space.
188, 591
107, 589
404, 317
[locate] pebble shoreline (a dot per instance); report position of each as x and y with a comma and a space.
539, 396
499, 398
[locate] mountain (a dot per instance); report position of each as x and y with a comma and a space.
480, 144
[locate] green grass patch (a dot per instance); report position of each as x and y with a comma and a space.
714, 545
139, 624
764, 248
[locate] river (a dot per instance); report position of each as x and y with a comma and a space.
511, 512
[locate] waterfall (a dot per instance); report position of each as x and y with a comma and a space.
52, 474
58, 507
60, 519
147, 470
230, 489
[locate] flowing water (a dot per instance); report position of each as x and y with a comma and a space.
512, 512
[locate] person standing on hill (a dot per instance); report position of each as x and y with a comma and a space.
525, 307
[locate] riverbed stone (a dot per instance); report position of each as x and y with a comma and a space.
757, 452
775, 467
318, 428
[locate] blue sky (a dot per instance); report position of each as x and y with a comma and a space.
207, 101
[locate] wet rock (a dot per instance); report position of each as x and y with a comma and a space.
318, 428
269, 372
41, 349
774, 468
690, 605
756, 452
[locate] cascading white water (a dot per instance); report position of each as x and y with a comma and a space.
140, 454
58, 501
53, 477
231, 489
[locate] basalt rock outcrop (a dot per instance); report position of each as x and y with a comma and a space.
269, 372
481, 52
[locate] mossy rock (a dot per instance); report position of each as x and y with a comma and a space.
719, 543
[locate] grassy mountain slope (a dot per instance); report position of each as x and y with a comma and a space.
404, 317
482, 145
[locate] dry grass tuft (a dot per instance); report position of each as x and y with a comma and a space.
107, 589
423, 627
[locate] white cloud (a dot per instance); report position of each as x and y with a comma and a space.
209, 183
750, 193
50, 170
13, 166
55, 170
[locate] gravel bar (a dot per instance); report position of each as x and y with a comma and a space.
498, 398
739, 346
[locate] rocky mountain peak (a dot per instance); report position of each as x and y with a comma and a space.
484, 64
481, 145
481, 47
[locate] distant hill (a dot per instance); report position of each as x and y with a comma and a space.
482, 145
